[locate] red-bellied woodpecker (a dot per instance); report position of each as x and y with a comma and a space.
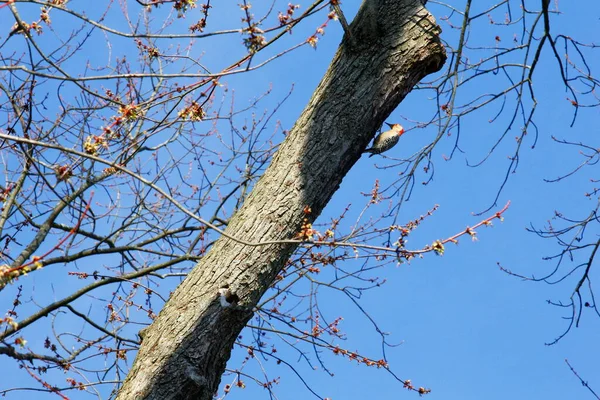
386, 140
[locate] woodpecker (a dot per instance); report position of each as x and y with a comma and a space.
386, 140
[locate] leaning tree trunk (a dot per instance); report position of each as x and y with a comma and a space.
394, 44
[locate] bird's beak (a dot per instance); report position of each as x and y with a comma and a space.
390, 125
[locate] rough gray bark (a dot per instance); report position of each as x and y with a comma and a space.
185, 350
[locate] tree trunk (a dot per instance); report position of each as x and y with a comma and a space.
184, 352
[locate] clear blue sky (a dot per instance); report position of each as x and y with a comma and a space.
466, 330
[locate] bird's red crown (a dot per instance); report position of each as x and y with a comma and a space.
397, 128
